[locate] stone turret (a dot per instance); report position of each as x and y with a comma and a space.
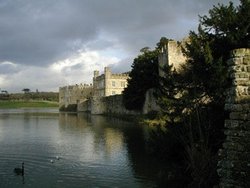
107, 73
162, 60
171, 54
96, 73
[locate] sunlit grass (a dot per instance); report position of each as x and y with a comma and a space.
27, 104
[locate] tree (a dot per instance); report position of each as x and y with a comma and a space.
224, 29
26, 90
144, 75
163, 41
196, 96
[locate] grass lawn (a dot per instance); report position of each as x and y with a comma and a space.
27, 104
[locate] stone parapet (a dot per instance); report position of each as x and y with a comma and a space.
234, 163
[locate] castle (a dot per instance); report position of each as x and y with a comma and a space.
105, 94
104, 85
109, 84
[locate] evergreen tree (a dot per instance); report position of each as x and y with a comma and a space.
194, 99
226, 28
144, 75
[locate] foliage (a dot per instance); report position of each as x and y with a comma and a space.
26, 90
163, 41
41, 96
193, 100
209, 49
144, 75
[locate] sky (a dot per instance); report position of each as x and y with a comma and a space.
48, 44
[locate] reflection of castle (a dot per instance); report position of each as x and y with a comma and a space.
103, 85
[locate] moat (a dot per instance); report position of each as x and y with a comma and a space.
94, 151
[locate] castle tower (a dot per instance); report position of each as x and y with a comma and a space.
171, 54
96, 74
162, 60
107, 73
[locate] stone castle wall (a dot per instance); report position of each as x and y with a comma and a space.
114, 105
175, 55
234, 165
106, 105
74, 94
84, 106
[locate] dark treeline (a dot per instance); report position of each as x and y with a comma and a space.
43, 96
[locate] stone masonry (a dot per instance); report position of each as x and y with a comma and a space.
74, 94
171, 54
234, 164
109, 83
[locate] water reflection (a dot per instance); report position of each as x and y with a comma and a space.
95, 151
106, 140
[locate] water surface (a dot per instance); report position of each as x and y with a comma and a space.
94, 151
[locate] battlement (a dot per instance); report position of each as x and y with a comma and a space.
73, 94
76, 86
108, 83
121, 76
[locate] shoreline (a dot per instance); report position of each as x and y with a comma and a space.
13, 104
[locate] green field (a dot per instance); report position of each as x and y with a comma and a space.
27, 104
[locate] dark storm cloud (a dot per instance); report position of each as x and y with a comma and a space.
41, 32
33, 32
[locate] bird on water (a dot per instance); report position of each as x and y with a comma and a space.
19, 171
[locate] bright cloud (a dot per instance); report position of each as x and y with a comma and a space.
72, 70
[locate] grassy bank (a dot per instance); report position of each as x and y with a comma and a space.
27, 104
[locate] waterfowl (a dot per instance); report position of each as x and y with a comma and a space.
19, 171
52, 161
57, 157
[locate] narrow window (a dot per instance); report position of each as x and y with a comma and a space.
122, 84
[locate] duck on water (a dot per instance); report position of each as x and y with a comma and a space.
19, 171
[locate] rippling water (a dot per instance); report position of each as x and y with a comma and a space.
94, 151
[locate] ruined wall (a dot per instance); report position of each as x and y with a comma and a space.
234, 164
171, 54
175, 55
